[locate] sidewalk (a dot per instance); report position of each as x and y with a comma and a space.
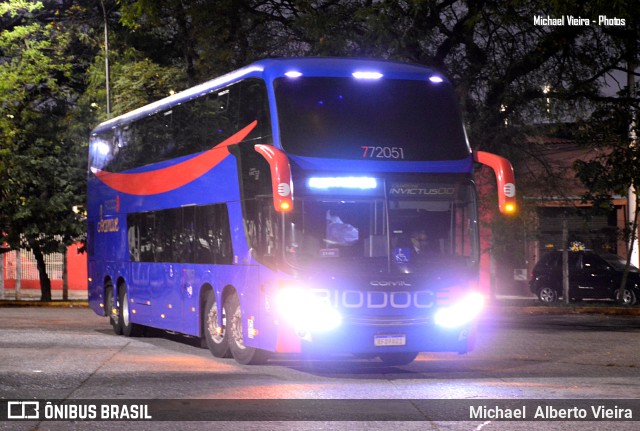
31, 298
531, 305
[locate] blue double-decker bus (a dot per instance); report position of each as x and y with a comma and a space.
294, 205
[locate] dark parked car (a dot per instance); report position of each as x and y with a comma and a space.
591, 276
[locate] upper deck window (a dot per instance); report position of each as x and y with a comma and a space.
186, 128
382, 119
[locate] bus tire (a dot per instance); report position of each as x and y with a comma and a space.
242, 353
112, 310
395, 359
215, 336
129, 329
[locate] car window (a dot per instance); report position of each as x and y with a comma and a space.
548, 261
616, 261
594, 263
554, 261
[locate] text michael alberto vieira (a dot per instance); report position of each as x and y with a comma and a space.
603, 20
548, 412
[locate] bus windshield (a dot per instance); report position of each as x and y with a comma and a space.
409, 235
345, 118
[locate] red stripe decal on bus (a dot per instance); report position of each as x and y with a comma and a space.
172, 177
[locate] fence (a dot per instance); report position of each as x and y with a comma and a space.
20, 275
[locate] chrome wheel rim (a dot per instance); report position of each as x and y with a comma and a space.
547, 295
236, 329
215, 331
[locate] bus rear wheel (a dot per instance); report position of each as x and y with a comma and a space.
112, 310
242, 353
214, 332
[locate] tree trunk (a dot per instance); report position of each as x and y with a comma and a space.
565, 261
65, 277
632, 239
45, 282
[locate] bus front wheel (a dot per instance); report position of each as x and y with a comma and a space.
242, 353
129, 329
214, 331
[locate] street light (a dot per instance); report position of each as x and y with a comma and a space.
546, 89
106, 58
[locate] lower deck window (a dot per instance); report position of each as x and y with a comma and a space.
194, 234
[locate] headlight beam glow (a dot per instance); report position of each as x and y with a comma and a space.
306, 312
461, 313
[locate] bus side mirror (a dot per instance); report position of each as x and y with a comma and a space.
504, 178
280, 177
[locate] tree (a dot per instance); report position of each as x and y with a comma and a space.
41, 177
135, 81
615, 169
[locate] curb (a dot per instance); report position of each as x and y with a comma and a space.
571, 309
10, 303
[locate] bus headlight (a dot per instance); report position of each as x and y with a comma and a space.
306, 312
461, 313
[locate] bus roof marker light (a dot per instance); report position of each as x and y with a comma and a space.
367, 75
293, 74
323, 183
436, 79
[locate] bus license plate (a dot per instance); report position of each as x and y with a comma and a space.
389, 340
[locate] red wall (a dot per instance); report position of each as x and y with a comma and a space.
76, 273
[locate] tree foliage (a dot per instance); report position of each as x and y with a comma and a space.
615, 170
615, 166
40, 175
507, 70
